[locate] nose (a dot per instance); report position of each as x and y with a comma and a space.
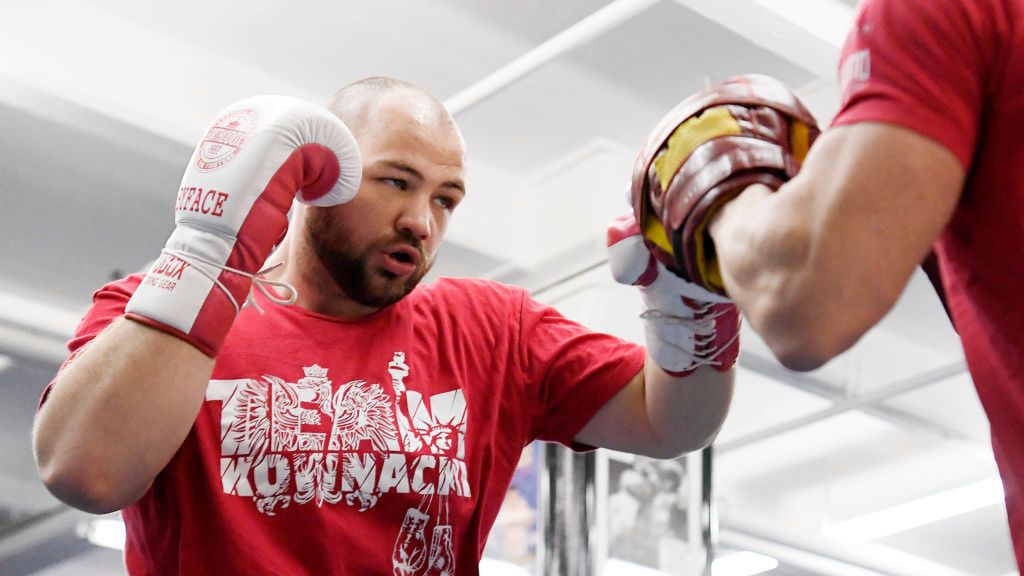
415, 218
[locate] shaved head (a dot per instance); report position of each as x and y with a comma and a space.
356, 103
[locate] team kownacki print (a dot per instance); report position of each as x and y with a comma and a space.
313, 442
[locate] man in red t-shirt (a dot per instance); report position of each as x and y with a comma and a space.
321, 412
924, 154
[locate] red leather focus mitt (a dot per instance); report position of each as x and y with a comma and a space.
748, 129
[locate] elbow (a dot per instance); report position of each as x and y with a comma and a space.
690, 438
88, 491
807, 345
682, 445
702, 417
805, 325
801, 356
812, 318
82, 484
700, 442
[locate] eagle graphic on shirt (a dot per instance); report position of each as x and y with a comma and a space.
310, 441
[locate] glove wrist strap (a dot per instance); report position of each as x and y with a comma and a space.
257, 280
682, 344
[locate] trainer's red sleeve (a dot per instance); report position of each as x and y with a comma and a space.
921, 65
572, 370
107, 304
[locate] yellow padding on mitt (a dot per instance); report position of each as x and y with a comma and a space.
713, 123
800, 140
707, 258
655, 232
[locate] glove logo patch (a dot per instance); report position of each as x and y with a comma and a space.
224, 139
165, 272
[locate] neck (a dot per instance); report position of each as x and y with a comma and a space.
317, 290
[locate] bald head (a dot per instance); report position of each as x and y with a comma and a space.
357, 103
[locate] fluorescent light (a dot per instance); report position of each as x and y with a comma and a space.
919, 512
105, 532
492, 567
37, 314
617, 567
738, 564
743, 564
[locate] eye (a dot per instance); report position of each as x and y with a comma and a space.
396, 183
445, 202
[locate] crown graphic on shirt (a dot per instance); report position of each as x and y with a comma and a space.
315, 371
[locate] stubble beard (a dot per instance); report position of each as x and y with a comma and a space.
350, 268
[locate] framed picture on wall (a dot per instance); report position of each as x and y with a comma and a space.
643, 511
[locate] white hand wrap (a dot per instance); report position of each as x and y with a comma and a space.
685, 326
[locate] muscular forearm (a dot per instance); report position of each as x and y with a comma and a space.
117, 414
788, 264
818, 263
770, 259
686, 413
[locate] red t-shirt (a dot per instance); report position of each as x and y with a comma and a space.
953, 70
382, 445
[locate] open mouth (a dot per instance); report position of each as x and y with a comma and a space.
402, 257
401, 260
405, 255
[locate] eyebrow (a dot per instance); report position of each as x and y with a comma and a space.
403, 167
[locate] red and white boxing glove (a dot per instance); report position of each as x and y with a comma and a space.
232, 208
685, 325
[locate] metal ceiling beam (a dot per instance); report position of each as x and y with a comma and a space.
864, 400
808, 34
565, 41
770, 368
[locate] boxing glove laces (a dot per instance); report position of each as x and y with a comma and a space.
258, 156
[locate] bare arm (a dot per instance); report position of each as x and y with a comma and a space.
121, 409
117, 414
660, 415
818, 263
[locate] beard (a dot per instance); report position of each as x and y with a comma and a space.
350, 268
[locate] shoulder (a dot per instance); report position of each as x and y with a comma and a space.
123, 287
474, 289
929, 67
470, 302
111, 298
108, 303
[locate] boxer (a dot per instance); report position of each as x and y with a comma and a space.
325, 412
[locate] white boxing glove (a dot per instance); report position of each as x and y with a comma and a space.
232, 208
685, 326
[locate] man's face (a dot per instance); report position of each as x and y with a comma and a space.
378, 246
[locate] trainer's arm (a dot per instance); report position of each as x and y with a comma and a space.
117, 414
816, 264
662, 416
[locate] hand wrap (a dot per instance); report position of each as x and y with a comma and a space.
685, 326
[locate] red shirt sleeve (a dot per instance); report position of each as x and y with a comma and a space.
108, 303
922, 66
574, 370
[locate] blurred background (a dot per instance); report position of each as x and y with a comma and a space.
878, 463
